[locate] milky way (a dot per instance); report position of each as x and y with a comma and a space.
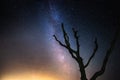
33, 48
27, 46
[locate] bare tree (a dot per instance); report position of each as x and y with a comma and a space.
77, 55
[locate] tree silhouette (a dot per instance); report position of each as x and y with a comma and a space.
77, 55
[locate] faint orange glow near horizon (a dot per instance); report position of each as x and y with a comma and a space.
29, 76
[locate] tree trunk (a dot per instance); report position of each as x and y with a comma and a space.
82, 69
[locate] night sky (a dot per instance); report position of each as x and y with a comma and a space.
28, 50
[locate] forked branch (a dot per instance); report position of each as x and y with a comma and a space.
105, 61
67, 43
75, 53
77, 41
94, 52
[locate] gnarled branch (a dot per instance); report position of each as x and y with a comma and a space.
73, 53
77, 41
105, 61
67, 43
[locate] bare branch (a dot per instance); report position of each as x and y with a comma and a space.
105, 61
66, 39
70, 50
59, 42
77, 41
94, 52
75, 53
72, 54
64, 44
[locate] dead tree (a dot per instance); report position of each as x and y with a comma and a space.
77, 55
